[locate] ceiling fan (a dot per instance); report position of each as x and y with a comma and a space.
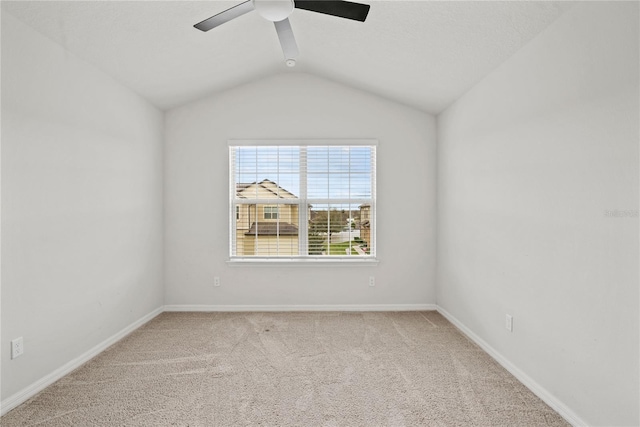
278, 12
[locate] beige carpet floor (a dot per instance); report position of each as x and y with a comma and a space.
289, 369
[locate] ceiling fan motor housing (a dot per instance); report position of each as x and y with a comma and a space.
274, 10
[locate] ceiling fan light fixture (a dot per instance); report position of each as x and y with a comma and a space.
290, 62
274, 10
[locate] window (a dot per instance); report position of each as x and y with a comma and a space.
312, 200
270, 212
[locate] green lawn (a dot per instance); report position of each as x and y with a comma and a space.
341, 248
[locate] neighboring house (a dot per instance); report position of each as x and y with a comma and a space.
264, 229
365, 223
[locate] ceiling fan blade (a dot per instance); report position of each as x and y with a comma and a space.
287, 40
225, 16
342, 9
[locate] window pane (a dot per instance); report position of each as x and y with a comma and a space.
339, 172
266, 230
336, 229
261, 171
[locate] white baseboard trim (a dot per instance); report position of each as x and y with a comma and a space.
330, 307
525, 379
31, 390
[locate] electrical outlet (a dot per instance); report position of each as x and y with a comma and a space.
216, 281
372, 281
17, 347
509, 323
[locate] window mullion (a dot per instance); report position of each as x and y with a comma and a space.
303, 206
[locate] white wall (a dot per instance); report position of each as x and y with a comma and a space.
81, 206
290, 106
529, 161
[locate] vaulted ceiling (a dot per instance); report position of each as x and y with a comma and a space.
425, 54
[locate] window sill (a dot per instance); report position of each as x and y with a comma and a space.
298, 262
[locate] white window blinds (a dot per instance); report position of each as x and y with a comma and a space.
302, 201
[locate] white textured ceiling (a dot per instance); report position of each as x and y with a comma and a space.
425, 54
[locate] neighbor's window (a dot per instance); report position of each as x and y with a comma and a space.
270, 212
312, 200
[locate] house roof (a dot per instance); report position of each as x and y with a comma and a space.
425, 54
272, 229
267, 185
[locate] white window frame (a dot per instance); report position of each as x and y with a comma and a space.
302, 201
